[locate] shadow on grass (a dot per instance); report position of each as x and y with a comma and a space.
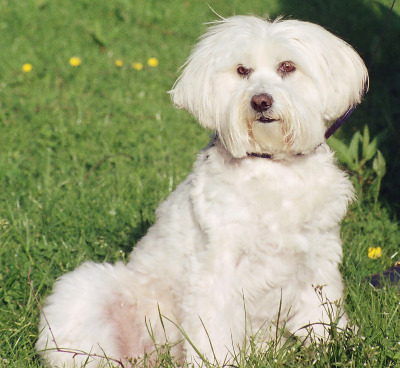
360, 23
135, 233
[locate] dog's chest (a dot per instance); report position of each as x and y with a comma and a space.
265, 224
262, 203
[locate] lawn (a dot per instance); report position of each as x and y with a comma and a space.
88, 151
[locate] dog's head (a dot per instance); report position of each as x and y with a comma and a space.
269, 87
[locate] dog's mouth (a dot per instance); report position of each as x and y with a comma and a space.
265, 120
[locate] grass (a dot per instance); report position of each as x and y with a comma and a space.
87, 153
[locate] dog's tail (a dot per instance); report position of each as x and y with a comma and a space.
80, 322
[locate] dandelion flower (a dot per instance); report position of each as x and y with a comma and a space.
119, 63
137, 66
75, 61
153, 62
374, 253
26, 68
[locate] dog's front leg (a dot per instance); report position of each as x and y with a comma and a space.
215, 319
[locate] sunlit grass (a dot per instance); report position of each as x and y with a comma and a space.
90, 146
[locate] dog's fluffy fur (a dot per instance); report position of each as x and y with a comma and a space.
244, 237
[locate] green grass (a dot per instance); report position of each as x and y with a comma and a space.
87, 153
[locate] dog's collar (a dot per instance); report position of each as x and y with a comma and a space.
267, 155
215, 138
260, 155
270, 156
339, 122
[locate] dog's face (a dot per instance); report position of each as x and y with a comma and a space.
269, 87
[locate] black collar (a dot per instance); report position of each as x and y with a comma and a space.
268, 155
215, 138
260, 155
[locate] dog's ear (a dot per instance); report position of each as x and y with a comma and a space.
344, 74
193, 90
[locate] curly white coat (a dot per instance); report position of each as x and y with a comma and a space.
243, 241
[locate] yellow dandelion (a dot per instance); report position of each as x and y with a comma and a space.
26, 68
75, 61
137, 66
374, 252
153, 62
119, 63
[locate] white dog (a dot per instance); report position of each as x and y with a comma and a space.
243, 241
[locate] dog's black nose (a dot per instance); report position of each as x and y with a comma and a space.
261, 102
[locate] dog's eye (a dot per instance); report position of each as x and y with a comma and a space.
243, 71
286, 67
